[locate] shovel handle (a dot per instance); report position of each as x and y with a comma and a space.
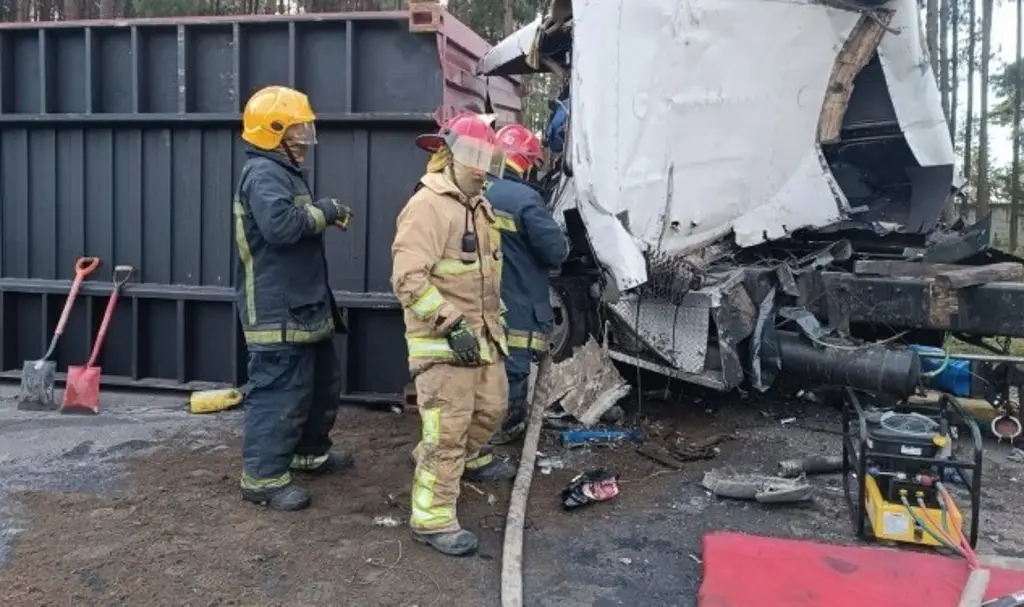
101, 335
125, 272
83, 267
86, 266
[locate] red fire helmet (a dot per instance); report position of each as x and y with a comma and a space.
471, 142
522, 148
464, 124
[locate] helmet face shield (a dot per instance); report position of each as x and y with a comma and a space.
301, 134
477, 154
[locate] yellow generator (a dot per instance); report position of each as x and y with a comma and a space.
896, 459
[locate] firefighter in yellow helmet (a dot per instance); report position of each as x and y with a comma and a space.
285, 305
447, 275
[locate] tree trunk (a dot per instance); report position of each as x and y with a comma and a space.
944, 55
107, 10
932, 33
969, 124
1015, 170
954, 67
986, 52
508, 21
72, 10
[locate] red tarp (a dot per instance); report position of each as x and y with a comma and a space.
750, 571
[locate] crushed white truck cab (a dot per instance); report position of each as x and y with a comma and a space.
698, 120
730, 166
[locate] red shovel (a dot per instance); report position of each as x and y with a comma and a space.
82, 389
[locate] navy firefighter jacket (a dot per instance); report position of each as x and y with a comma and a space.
532, 245
281, 283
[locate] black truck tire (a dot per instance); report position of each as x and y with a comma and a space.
574, 316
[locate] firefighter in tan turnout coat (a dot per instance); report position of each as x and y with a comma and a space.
447, 276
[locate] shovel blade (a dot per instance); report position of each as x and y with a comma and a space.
37, 379
82, 390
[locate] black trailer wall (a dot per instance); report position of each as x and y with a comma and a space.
120, 141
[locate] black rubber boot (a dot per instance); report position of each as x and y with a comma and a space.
285, 499
500, 469
514, 425
336, 461
451, 543
508, 434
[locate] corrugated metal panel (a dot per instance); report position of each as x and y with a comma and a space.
120, 140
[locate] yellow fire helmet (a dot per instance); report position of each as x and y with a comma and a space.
273, 110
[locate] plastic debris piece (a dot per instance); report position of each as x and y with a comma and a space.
595, 486
547, 464
573, 438
758, 487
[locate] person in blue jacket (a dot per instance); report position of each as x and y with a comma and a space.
533, 245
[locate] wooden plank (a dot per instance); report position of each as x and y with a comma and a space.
856, 52
902, 269
973, 276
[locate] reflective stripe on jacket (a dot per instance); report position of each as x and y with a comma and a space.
436, 282
532, 245
281, 287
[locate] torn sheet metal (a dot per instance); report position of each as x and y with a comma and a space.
511, 53
765, 357
734, 319
587, 383
523, 52
674, 113
913, 89
616, 249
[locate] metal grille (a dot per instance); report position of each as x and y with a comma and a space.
670, 278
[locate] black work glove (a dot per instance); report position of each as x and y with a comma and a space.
336, 213
463, 343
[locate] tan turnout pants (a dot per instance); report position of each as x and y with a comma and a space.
460, 408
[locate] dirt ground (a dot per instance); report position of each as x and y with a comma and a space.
175, 532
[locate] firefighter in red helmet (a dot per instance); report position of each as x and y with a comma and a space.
447, 275
533, 245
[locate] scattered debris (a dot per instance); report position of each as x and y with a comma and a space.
702, 449
1017, 455
616, 415
588, 384
386, 521
626, 560
595, 486
787, 421
762, 488
808, 396
575, 438
682, 451
815, 464
695, 559
491, 499
549, 463
661, 455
